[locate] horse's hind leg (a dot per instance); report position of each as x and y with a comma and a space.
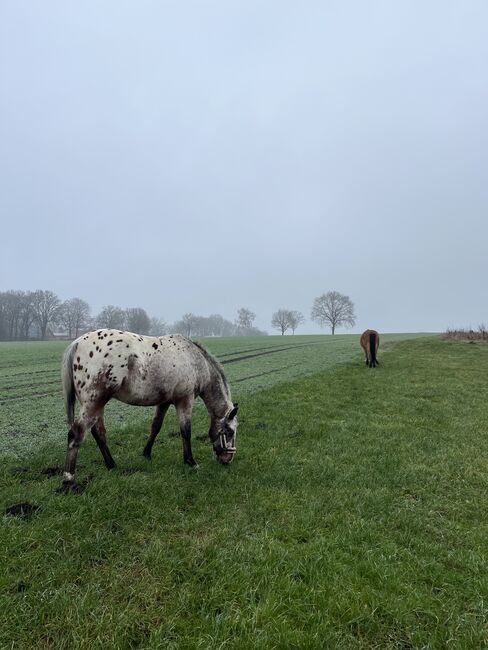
75, 437
184, 409
156, 425
100, 434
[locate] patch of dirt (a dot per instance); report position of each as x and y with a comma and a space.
24, 509
76, 488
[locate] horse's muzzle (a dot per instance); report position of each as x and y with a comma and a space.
226, 457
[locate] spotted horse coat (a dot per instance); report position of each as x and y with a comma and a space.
144, 371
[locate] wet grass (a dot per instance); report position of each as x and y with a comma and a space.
354, 516
31, 401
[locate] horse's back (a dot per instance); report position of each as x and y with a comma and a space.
136, 369
367, 337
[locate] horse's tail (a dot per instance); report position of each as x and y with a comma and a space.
68, 383
372, 349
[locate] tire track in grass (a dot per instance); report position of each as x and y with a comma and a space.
28, 373
261, 354
267, 372
271, 348
23, 386
17, 398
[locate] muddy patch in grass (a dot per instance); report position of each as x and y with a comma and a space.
76, 488
24, 509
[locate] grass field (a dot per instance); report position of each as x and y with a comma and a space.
354, 514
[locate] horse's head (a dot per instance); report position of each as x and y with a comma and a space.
223, 436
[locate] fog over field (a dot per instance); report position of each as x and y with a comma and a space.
210, 156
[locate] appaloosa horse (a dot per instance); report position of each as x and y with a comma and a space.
370, 341
144, 371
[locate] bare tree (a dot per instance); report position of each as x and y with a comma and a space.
332, 309
12, 306
245, 318
138, 320
296, 319
112, 317
158, 327
189, 322
281, 320
74, 315
46, 306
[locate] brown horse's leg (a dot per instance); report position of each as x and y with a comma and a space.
100, 434
184, 409
156, 425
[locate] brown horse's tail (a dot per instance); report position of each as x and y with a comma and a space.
372, 349
68, 383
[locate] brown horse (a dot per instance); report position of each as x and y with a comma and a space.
144, 371
370, 342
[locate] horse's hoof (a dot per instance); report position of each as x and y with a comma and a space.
67, 486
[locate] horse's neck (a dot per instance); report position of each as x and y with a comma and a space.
215, 397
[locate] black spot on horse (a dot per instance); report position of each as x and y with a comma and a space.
105, 355
91, 353
118, 341
78, 359
110, 343
75, 367
155, 346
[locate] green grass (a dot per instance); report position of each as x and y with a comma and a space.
31, 400
354, 516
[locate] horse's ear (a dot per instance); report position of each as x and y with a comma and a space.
233, 413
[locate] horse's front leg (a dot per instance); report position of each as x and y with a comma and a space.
184, 409
156, 425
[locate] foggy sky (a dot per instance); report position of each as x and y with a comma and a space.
204, 156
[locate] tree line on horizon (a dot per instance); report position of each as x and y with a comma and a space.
41, 314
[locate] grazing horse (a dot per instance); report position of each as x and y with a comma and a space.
144, 371
370, 342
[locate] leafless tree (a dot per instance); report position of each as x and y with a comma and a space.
112, 317
158, 327
189, 322
46, 307
281, 320
245, 318
74, 315
138, 320
296, 319
11, 314
332, 309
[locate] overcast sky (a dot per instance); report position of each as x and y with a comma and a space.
204, 156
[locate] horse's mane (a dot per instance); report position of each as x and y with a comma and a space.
215, 364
